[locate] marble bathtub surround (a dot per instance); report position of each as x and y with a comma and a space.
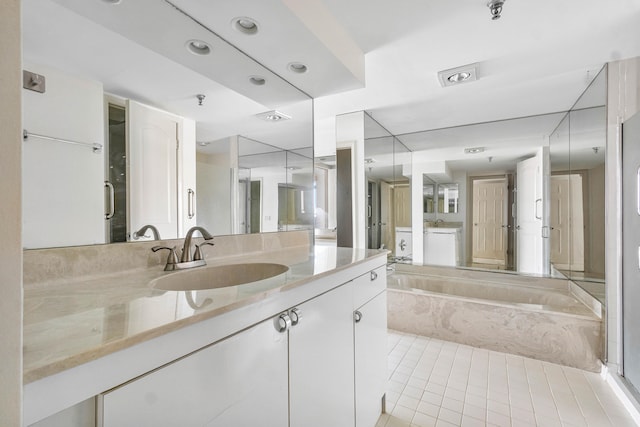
74, 318
542, 321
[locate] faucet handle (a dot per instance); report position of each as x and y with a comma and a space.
172, 259
198, 253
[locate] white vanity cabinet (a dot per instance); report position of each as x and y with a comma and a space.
321, 361
370, 344
240, 381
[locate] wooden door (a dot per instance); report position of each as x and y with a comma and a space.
402, 205
490, 221
567, 223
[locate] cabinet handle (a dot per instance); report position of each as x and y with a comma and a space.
295, 315
374, 276
357, 316
283, 322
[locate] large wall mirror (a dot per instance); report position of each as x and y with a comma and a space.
236, 160
523, 195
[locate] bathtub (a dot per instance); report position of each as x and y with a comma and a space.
539, 318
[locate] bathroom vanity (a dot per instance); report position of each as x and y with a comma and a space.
305, 348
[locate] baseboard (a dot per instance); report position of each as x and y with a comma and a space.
626, 396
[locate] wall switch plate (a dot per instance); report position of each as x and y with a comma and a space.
33, 81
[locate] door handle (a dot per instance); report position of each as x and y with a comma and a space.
540, 201
638, 191
112, 200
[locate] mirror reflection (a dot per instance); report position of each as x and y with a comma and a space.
183, 139
523, 194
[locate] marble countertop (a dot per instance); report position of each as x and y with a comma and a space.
70, 322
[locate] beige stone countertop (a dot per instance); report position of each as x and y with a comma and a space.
73, 321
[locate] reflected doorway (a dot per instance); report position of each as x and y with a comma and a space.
490, 237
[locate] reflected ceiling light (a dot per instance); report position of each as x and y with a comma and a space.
462, 74
257, 80
245, 25
297, 67
204, 143
495, 6
474, 150
273, 116
369, 160
198, 47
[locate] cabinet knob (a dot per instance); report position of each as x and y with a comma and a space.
283, 323
374, 276
295, 315
357, 316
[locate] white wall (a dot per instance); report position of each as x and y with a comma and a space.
10, 225
63, 184
270, 178
623, 101
213, 192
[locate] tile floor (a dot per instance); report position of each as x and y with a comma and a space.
444, 384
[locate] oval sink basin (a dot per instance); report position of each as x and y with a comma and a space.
220, 276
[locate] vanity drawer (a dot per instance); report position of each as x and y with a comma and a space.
369, 285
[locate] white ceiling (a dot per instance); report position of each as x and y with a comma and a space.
537, 59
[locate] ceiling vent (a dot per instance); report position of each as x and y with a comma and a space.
454, 76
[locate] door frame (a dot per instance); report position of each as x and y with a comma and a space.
505, 209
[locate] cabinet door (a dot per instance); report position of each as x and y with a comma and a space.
241, 381
321, 361
370, 359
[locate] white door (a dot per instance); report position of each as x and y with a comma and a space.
529, 215
321, 371
490, 221
567, 224
152, 170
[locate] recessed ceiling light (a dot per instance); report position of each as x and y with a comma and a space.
273, 116
204, 143
474, 150
459, 77
198, 47
463, 74
297, 67
245, 25
112, 1
369, 160
257, 80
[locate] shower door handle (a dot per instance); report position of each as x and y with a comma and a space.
638, 191
190, 203
112, 200
540, 201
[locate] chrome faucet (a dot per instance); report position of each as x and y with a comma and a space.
186, 261
140, 233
